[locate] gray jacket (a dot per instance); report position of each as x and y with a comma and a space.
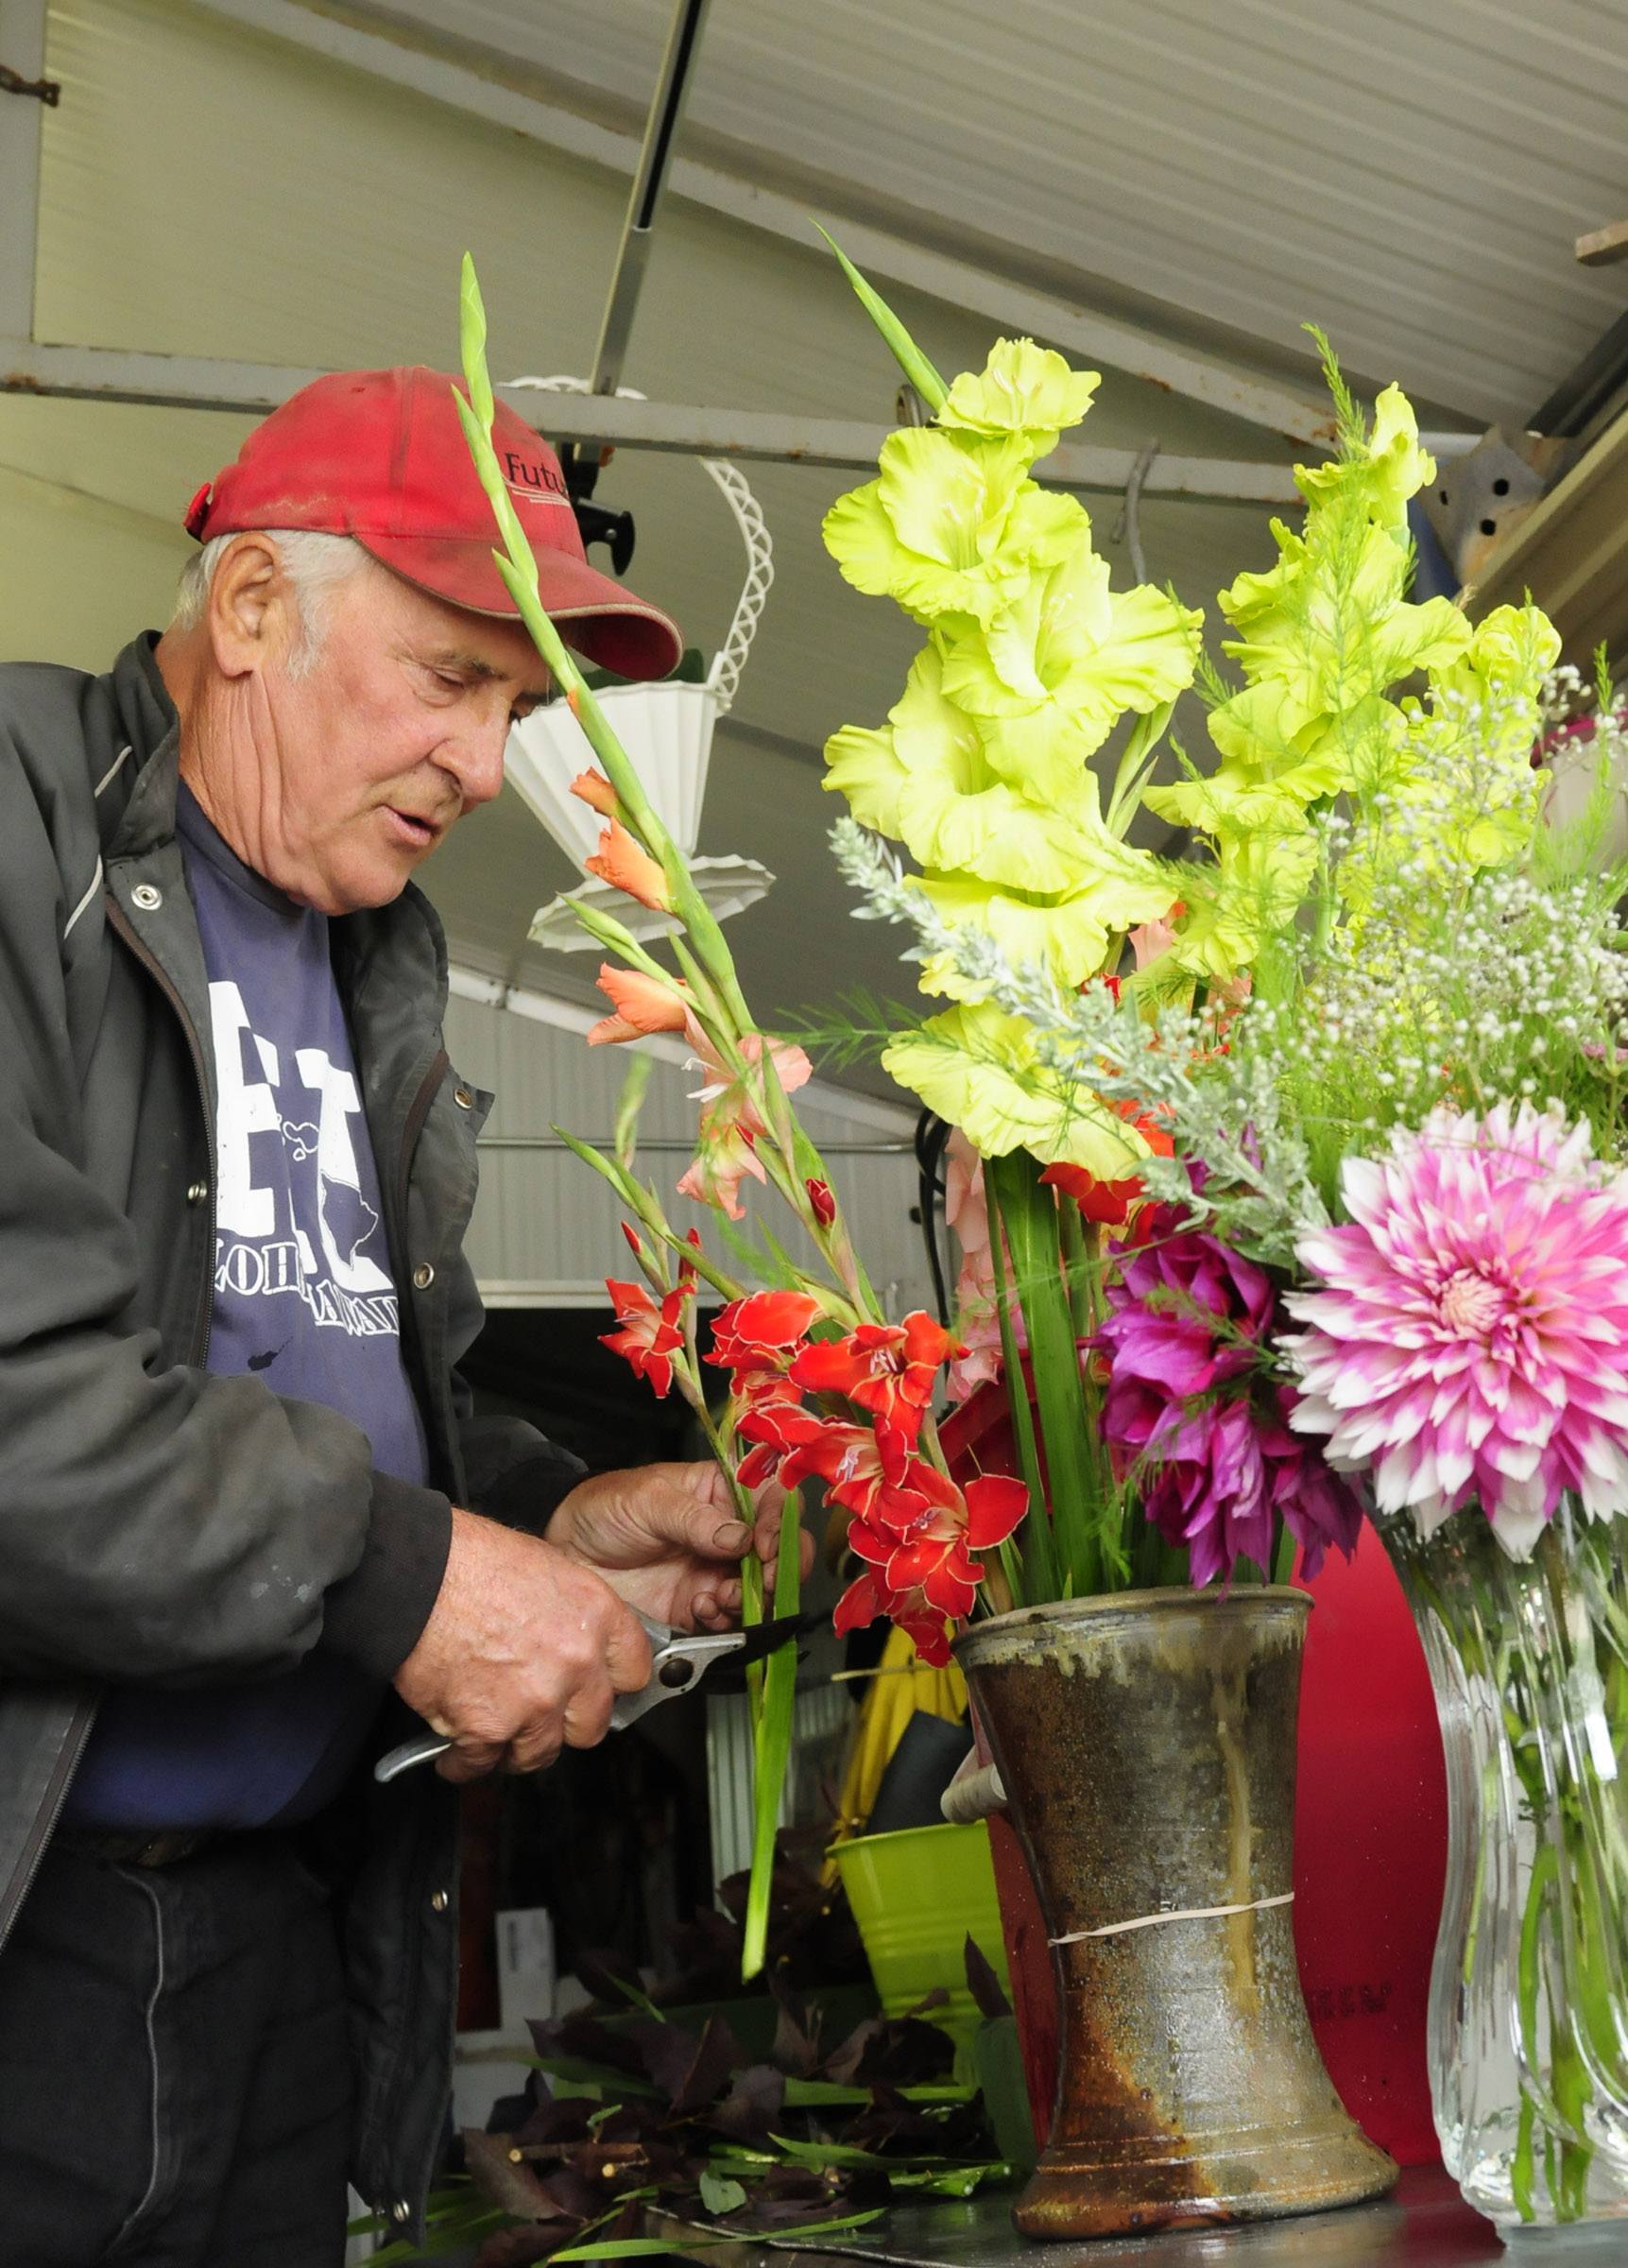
158, 1523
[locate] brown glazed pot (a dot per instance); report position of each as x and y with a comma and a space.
1146, 1745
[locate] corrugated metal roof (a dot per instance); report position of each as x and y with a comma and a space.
1411, 177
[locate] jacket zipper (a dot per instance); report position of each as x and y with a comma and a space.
47, 1816
411, 1129
166, 984
413, 1126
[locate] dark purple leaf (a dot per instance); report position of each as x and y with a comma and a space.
814, 2200
665, 2051
753, 2107
610, 1976
796, 2047
843, 2063
504, 2181
716, 2053
984, 1984
577, 2198
557, 2119
900, 2049
634, 2121
583, 2038
517, 2247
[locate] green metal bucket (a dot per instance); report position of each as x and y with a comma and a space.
917, 1895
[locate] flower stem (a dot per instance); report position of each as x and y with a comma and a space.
1039, 1557
1028, 1215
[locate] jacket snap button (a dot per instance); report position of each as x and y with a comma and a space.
464, 1097
423, 1275
439, 1901
197, 1192
148, 897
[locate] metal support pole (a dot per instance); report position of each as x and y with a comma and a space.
22, 51
649, 180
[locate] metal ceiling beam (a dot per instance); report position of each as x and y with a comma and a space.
386, 53
185, 382
850, 445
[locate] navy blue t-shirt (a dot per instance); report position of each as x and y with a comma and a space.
304, 1300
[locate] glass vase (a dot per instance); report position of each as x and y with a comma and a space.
1529, 1994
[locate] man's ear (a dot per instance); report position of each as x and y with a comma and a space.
253, 615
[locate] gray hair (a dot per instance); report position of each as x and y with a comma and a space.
315, 563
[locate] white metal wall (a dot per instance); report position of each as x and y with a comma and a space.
545, 1229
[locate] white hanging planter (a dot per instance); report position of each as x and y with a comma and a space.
667, 731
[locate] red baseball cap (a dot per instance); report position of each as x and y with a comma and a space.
381, 455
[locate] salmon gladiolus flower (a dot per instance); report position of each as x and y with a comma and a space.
730, 1119
628, 865
594, 789
643, 1003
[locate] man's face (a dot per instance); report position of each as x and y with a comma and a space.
394, 728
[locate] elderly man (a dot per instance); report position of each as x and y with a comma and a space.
242, 1491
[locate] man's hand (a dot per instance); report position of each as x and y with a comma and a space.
667, 1538
523, 1654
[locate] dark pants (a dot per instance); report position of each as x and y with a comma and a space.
174, 2090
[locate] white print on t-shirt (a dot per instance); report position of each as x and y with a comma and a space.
259, 1255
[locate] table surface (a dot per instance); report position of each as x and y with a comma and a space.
1423, 2223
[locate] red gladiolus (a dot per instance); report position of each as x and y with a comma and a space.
887, 1368
865, 1598
923, 1535
1110, 1203
823, 1202
779, 1431
762, 1332
856, 1462
650, 1336
918, 1543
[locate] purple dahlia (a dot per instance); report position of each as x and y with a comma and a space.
1192, 1413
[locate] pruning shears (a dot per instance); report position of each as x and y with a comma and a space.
679, 1659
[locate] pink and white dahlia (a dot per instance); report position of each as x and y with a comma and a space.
1469, 1327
